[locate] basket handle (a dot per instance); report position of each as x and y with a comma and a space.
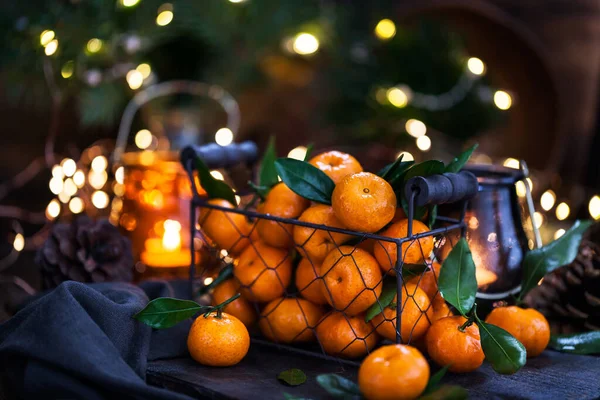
442, 188
215, 156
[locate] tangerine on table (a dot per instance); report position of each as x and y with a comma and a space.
428, 280
344, 336
308, 282
393, 372
289, 320
336, 164
351, 279
317, 243
239, 308
448, 345
228, 230
440, 308
280, 202
264, 272
528, 326
218, 341
413, 252
416, 316
364, 202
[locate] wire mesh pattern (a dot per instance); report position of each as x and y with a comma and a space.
314, 291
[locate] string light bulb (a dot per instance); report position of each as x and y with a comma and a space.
120, 175
502, 100
56, 185
129, 3
134, 79
100, 199
385, 29
76, 205
67, 70
512, 163
406, 156
305, 44
424, 143
298, 153
19, 242
165, 15
51, 47
217, 175
415, 128
594, 207
538, 219
53, 209
79, 178
46, 37
94, 45
144, 69
224, 137
397, 97
237, 1
475, 66
97, 179
562, 211
548, 199
143, 139
559, 233
68, 166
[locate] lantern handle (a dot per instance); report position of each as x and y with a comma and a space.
530, 205
200, 89
442, 188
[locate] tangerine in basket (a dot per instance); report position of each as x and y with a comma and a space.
351, 279
528, 326
218, 340
308, 282
280, 202
413, 252
336, 164
317, 243
440, 308
228, 230
239, 308
428, 280
393, 372
264, 272
341, 335
416, 316
448, 345
289, 320
364, 202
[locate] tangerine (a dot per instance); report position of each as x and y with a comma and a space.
336, 164
317, 243
308, 282
364, 202
218, 340
290, 320
239, 308
228, 230
448, 345
428, 280
413, 252
416, 316
351, 279
264, 272
280, 202
393, 372
528, 326
344, 336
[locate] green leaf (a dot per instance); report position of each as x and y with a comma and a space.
309, 150
387, 171
166, 312
262, 191
216, 189
562, 251
435, 379
447, 392
305, 180
394, 172
267, 174
460, 161
293, 377
413, 269
457, 282
433, 210
579, 343
288, 396
224, 274
506, 354
338, 386
388, 293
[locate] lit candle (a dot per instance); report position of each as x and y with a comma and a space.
166, 252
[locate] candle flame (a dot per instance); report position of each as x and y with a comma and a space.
171, 238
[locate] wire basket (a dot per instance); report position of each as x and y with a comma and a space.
333, 293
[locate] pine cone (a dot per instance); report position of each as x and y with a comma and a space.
570, 296
85, 251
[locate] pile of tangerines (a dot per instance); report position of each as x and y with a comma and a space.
337, 283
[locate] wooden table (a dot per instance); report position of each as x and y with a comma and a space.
552, 375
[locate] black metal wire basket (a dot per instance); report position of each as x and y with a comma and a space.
318, 306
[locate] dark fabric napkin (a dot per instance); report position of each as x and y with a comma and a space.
81, 342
